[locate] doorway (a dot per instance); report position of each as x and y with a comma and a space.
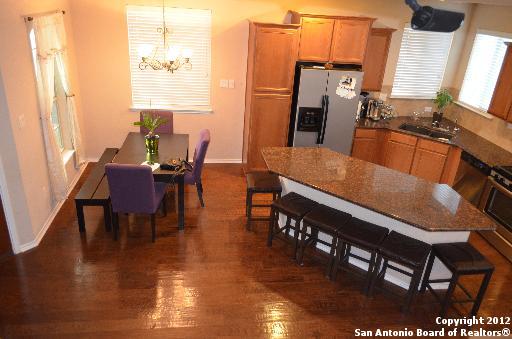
5, 240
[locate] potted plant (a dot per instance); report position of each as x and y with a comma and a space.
151, 122
442, 100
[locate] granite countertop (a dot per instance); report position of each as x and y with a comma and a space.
429, 206
480, 148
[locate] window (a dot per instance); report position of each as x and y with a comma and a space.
185, 89
483, 70
59, 114
421, 64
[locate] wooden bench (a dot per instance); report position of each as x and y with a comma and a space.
94, 191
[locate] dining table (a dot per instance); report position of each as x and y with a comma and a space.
171, 146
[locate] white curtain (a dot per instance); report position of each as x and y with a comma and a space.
50, 41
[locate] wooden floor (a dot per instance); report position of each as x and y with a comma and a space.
213, 279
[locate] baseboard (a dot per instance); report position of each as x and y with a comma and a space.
208, 161
34, 243
223, 161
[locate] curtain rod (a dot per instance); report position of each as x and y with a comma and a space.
30, 17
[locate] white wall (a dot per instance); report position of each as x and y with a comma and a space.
23, 155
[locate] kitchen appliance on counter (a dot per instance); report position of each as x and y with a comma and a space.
496, 201
324, 106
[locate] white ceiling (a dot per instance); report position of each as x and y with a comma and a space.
487, 2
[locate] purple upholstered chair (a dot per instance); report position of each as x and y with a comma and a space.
166, 128
133, 190
194, 177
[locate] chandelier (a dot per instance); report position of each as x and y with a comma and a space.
174, 57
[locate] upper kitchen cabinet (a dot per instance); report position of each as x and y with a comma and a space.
375, 58
270, 70
332, 38
501, 103
273, 56
350, 39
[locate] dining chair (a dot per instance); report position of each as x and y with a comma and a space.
194, 177
133, 190
166, 128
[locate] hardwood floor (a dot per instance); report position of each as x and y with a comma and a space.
213, 279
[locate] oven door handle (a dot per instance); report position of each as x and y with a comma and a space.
492, 183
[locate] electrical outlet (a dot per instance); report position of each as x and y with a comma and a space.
427, 109
383, 96
21, 121
224, 83
509, 125
231, 83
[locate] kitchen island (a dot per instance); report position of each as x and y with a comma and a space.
433, 213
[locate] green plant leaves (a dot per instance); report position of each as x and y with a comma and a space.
151, 122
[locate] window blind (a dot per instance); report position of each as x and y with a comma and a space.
185, 89
421, 64
483, 70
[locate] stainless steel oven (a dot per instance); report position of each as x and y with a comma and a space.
496, 201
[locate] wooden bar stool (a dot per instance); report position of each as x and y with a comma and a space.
326, 220
363, 235
461, 259
260, 182
404, 251
294, 206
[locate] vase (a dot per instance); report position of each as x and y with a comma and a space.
152, 143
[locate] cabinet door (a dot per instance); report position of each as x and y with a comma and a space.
270, 116
349, 40
399, 156
428, 165
275, 54
502, 99
375, 58
365, 149
315, 39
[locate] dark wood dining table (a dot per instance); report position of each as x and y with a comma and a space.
171, 146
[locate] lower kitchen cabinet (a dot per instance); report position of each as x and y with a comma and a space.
365, 145
423, 158
399, 156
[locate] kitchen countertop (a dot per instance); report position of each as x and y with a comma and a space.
417, 202
480, 148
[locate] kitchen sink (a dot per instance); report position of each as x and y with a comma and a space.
430, 132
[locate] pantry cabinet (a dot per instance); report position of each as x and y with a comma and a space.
270, 70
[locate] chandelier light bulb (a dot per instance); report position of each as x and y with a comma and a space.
173, 53
187, 53
145, 50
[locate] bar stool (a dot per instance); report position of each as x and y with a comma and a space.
326, 220
260, 182
461, 259
404, 251
294, 206
363, 235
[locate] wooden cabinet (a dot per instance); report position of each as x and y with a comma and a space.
424, 158
349, 40
375, 59
366, 145
429, 160
270, 70
315, 39
334, 39
275, 52
400, 150
270, 116
501, 103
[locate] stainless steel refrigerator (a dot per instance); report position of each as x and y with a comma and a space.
324, 107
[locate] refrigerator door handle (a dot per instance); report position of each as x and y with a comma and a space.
319, 137
325, 105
